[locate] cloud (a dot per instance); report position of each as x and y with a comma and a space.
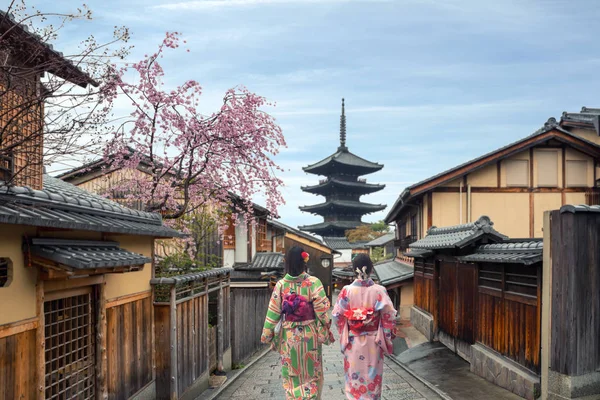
219, 4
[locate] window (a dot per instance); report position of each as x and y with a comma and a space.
6, 167
413, 227
576, 171
517, 173
5, 272
547, 168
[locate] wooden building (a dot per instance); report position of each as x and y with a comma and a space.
397, 278
479, 293
513, 185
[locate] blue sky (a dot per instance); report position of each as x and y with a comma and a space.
428, 83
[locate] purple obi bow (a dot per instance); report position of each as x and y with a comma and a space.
297, 308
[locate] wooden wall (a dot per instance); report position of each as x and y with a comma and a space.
425, 286
192, 344
314, 264
575, 312
248, 310
18, 357
129, 346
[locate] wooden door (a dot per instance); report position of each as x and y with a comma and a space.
466, 286
447, 298
70, 345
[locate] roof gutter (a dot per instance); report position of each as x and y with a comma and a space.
398, 206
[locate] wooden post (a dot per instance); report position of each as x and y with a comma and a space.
101, 335
205, 318
220, 327
40, 339
173, 303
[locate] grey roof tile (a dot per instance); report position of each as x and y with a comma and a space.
579, 209
513, 252
343, 204
342, 243
343, 273
62, 205
332, 183
324, 226
194, 276
382, 240
346, 158
264, 262
418, 253
458, 236
83, 255
392, 271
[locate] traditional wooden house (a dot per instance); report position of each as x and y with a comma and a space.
347, 251
514, 185
385, 243
479, 293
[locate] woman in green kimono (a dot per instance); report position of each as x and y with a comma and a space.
297, 325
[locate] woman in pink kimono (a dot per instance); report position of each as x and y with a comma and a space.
366, 321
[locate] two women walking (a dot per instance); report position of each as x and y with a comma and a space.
297, 325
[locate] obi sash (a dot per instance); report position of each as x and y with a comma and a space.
297, 308
362, 320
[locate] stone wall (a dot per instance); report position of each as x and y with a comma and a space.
573, 387
423, 322
503, 372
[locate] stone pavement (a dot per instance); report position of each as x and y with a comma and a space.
263, 380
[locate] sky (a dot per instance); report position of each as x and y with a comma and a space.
428, 84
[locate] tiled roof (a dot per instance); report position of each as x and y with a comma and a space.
343, 273
550, 125
458, 236
345, 158
515, 252
341, 243
264, 262
62, 205
82, 254
392, 271
64, 68
580, 208
343, 204
382, 240
195, 276
332, 183
587, 116
324, 226
418, 253
287, 228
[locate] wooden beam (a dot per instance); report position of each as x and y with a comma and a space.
15, 328
40, 341
531, 216
493, 189
128, 299
429, 210
101, 342
564, 168
53, 286
498, 174
221, 325
531, 167
173, 328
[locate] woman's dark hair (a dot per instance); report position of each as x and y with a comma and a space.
294, 263
362, 260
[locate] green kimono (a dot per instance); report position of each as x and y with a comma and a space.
299, 343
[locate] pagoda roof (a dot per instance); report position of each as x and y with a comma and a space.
333, 183
325, 227
333, 205
343, 161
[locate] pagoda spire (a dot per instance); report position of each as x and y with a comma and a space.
343, 128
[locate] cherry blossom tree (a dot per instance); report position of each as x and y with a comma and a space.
192, 161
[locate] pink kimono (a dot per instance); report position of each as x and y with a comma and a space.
365, 318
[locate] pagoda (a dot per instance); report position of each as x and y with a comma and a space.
342, 188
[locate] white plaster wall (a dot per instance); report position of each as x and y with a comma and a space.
241, 243
254, 240
228, 257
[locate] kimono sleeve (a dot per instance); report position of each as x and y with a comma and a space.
273, 315
341, 306
321, 306
388, 318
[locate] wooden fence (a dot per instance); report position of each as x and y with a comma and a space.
182, 331
248, 310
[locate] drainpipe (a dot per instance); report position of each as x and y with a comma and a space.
460, 203
469, 202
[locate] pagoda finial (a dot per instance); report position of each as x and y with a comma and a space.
343, 127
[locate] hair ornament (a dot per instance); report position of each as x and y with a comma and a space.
305, 256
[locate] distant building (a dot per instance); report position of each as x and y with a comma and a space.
342, 188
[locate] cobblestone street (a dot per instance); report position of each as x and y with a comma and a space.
263, 380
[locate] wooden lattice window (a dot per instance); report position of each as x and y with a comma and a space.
261, 236
70, 347
419, 267
490, 276
521, 281
429, 268
6, 272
